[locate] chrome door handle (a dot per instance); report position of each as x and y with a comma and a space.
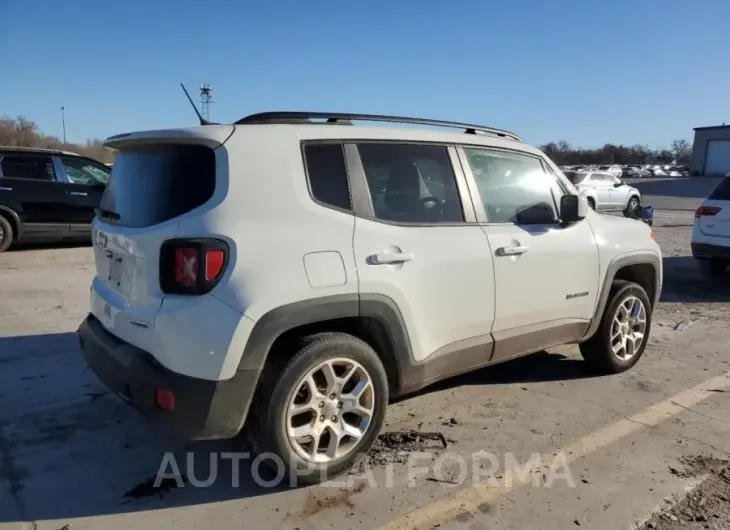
511, 251
385, 258
78, 193
2, 188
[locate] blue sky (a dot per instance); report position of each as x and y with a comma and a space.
586, 71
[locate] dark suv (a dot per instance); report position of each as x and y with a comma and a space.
47, 196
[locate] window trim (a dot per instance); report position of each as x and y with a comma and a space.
362, 200
302, 148
55, 163
480, 210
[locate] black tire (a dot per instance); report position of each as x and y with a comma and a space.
632, 208
278, 385
591, 203
597, 350
712, 268
6, 234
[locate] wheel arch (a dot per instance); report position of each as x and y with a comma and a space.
14, 220
643, 268
373, 318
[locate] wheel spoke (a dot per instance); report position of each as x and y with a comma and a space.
334, 442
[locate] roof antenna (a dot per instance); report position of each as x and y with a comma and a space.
202, 120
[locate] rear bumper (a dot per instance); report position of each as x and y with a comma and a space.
710, 251
203, 409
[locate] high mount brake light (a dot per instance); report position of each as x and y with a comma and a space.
192, 266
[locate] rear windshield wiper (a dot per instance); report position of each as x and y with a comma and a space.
107, 213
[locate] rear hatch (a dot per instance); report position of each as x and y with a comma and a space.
714, 214
157, 177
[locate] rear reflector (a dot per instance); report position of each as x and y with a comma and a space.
706, 211
165, 399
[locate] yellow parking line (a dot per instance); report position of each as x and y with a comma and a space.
468, 499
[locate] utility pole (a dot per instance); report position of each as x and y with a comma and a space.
63, 122
206, 98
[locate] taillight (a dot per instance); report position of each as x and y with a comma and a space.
706, 211
192, 266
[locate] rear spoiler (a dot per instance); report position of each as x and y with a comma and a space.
212, 136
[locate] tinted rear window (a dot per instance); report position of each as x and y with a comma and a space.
722, 192
153, 184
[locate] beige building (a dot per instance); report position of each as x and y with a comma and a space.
711, 150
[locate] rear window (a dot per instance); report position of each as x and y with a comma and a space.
722, 192
152, 184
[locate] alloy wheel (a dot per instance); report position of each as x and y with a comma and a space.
628, 328
330, 410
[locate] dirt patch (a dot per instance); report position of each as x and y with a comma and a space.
343, 499
393, 448
706, 507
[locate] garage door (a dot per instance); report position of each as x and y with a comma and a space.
717, 160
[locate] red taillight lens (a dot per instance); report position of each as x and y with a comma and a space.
706, 211
192, 266
186, 267
214, 260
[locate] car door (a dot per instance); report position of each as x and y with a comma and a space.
546, 275
413, 243
29, 184
603, 183
618, 193
85, 182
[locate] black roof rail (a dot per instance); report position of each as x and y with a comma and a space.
347, 119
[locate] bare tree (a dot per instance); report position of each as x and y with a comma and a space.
21, 132
682, 150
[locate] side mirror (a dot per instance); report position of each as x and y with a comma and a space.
618, 184
573, 208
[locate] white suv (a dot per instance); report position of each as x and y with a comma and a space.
711, 232
293, 275
606, 192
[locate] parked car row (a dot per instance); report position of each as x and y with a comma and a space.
634, 170
48, 195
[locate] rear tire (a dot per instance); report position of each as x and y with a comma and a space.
712, 268
591, 203
614, 348
289, 401
6, 234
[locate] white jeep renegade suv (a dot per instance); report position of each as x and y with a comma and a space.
293, 275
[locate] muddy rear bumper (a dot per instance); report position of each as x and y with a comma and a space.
203, 409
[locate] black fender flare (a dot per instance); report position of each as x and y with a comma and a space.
616, 264
15, 218
284, 318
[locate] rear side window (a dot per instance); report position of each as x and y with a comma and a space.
34, 167
722, 192
327, 174
152, 184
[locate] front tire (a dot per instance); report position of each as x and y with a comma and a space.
6, 234
622, 335
323, 410
592, 203
712, 268
632, 208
